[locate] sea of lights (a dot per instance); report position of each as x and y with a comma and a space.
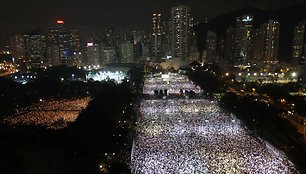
52, 114
173, 83
197, 136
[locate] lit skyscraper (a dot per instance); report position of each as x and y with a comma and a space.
29, 49
36, 49
53, 55
299, 43
18, 47
271, 38
76, 54
242, 47
157, 35
179, 28
93, 54
265, 42
61, 38
19, 50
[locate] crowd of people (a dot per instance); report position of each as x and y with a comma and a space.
53, 114
197, 136
174, 84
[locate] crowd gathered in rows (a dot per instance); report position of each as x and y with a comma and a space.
53, 114
174, 84
197, 136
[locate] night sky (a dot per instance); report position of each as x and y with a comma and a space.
91, 15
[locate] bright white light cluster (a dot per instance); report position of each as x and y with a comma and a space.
118, 76
197, 136
173, 83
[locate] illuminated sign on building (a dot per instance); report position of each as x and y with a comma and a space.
90, 44
60, 22
247, 19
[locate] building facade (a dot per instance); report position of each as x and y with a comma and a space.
299, 43
271, 41
242, 38
127, 51
157, 51
179, 29
229, 45
265, 43
108, 55
59, 38
93, 53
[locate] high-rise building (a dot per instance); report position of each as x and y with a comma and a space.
36, 49
19, 50
29, 49
258, 44
137, 36
113, 38
265, 43
127, 51
201, 38
18, 47
60, 37
93, 54
193, 52
243, 37
138, 51
108, 37
229, 45
179, 28
108, 55
124, 39
299, 42
271, 38
156, 36
76, 51
53, 55
211, 46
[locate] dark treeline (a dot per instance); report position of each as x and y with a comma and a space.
277, 92
99, 140
207, 77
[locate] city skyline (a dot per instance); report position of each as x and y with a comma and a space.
93, 15
143, 86
253, 37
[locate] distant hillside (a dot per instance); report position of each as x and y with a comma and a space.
288, 18
221, 23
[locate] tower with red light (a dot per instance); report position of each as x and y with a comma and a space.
60, 23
